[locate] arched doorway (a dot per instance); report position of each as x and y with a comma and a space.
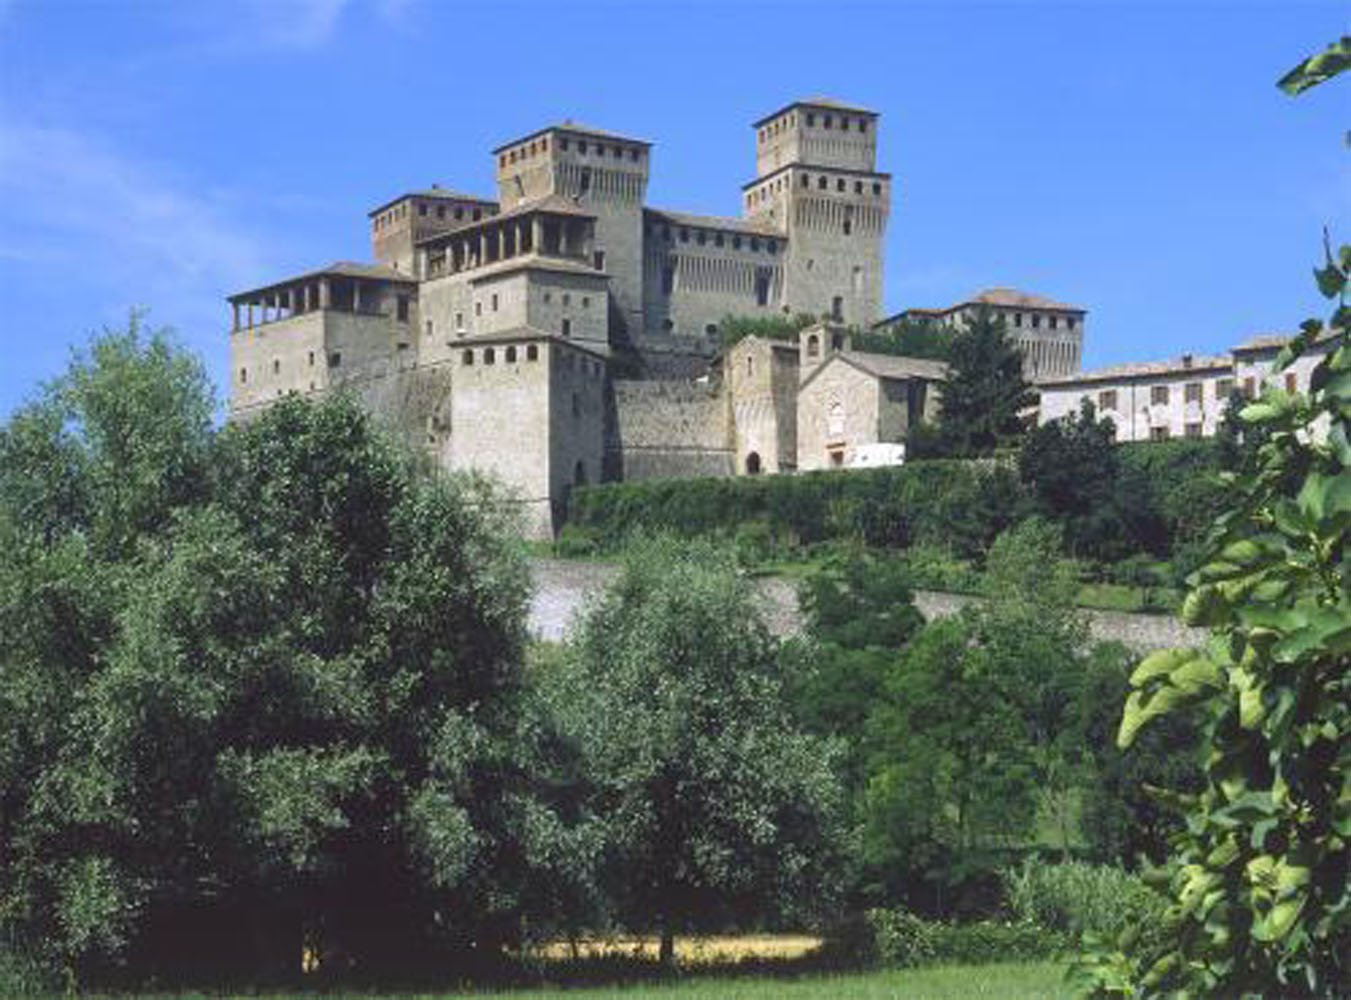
579, 473
753, 464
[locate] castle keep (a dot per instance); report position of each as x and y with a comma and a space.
565, 332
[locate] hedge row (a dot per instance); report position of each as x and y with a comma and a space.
1166, 497
960, 505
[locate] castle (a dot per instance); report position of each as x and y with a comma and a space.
565, 332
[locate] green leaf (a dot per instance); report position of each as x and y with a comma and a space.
1159, 664
1251, 711
1317, 68
1330, 279
1277, 923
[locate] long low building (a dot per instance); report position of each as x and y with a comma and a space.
1184, 397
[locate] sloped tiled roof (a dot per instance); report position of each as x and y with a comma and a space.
724, 222
575, 128
816, 102
444, 194
340, 269
897, 366
884, 366
1174, 366
1013, 297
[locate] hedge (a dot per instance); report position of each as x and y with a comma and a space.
1166, 496
960, 505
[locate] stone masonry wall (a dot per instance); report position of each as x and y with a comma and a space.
664, 429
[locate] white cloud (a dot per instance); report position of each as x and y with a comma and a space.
300, 24
80, 216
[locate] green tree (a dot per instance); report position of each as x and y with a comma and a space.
256, 688
969, 741
859, 612
1121, 822
910, 338
715, 806
1070, 467
984, 395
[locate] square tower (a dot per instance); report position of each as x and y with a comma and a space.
816, 183
398, 226
602, 173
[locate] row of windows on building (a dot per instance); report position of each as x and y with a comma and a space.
540, 146
511, 354
1192, 392
703, 237
762, 194
1052, 322
493, 303
334, 361
459, 213
843, 122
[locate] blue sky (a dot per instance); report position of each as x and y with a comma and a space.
1131, 158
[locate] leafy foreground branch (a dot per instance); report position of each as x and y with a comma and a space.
1261, 900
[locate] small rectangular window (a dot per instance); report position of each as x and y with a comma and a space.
403, 309
494, 302
1107, 399
335, 359
243, 375
1290, 382
1158, 395
1223, 387
567, 327
311, 359
598, 260
1193, 392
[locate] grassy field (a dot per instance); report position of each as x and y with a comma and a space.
1036, 981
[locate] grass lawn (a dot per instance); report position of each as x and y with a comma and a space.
1040, 981
1021, 981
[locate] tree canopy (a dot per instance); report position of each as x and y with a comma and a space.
267, 678
984, 395
714, 804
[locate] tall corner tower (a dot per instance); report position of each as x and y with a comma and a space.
599, 172
817, 182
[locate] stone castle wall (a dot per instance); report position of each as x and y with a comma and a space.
663, 429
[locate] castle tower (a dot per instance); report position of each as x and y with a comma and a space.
399, 225
816, 182
605, 175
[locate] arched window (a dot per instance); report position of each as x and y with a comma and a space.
511, 354
837, 341
489, 355
753, 464
813, 346
467, 357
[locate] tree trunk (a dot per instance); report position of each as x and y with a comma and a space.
667, 954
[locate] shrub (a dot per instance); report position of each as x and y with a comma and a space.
903, 939
1075, 898
956, 504
576, 541
897, 937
